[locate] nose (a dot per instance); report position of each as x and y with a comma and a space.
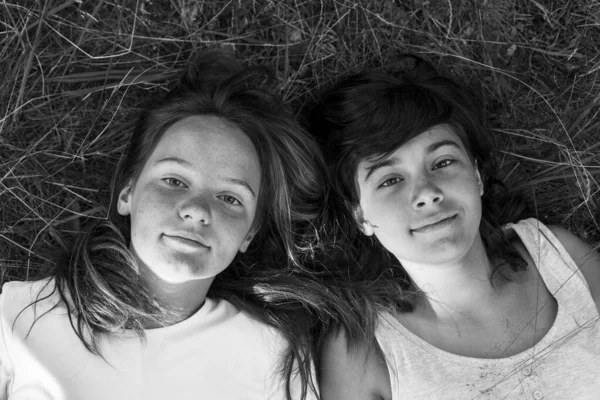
426, 193
195, 209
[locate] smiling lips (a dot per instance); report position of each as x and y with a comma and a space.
187, 240
432, 226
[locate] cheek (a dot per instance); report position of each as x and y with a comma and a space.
468, 196
233, 228
386, 210
150, 209
472, 190
464, 185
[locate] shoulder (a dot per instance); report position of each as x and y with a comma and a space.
584, 255
29, 289
242, 328
17, 297
250, 347
14, 294
352, 373
14, 299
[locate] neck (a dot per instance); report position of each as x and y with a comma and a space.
181, 299
456, 289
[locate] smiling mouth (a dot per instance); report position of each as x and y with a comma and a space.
437, 225
183, 242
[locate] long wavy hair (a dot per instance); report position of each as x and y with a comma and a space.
368, 116
98, 280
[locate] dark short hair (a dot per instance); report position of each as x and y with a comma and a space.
367, 116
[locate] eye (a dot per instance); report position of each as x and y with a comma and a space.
443, 163
230, 200
391, 181
174, 182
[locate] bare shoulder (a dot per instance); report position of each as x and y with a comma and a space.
584, 256
358, 374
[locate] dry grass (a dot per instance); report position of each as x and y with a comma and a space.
75, 72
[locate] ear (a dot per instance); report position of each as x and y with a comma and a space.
248, 239
479, 180
364, 225
124, 200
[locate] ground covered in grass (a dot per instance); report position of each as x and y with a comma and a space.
76, 72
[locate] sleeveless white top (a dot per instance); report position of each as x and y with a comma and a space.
564, 364
217, 353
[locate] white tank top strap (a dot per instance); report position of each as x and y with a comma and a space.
557, 268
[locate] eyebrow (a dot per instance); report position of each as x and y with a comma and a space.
241, 182
186, 163
175, 160
434, 146
394, 160
380, 164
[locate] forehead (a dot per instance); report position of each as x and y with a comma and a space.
210, 145
435, 134
418, 146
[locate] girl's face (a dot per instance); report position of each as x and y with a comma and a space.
193, 206
423, 203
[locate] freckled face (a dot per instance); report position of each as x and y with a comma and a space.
423, 203
193, 206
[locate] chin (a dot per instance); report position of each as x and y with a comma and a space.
450, 255
180, 271
187, 272
178, 277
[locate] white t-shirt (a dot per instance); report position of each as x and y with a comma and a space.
218, 353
